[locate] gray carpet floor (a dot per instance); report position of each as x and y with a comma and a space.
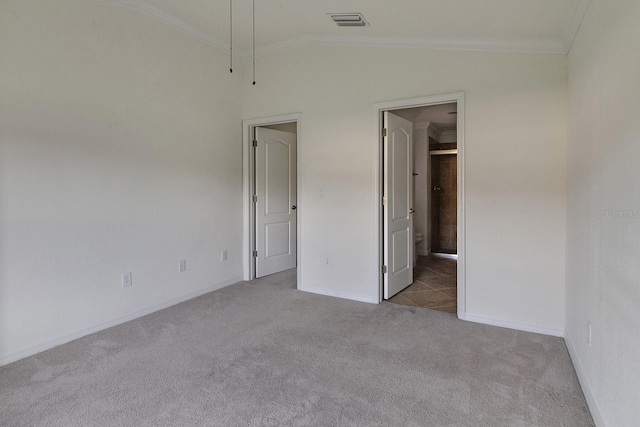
262, 353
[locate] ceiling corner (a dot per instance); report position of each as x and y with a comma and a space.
573, 22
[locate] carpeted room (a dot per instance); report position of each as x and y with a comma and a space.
262, 353
121, 150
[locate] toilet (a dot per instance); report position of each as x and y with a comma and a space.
417, 238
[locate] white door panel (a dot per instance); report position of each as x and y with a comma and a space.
398, 189
400, 251
278, 238
277, 173
275, 163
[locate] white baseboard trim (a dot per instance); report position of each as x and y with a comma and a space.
586, 388
513, 324
338, 294
14, 356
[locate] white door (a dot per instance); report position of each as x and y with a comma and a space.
275, 201
398, 209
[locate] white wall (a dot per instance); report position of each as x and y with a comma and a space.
120, 151
515, 171
603, 215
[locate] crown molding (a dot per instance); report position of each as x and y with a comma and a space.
432, 129
516, 46
177, 23
573, 23
551, 46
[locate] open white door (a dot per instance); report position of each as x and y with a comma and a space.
275, 201
398, 190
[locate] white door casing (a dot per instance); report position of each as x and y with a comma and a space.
275, 203
398, 209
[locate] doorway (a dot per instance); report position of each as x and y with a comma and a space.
271, 206
274, 198
435, 206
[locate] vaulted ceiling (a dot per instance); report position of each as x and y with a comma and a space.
505, 25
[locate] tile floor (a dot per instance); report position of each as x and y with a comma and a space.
434, 286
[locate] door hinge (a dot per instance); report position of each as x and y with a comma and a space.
255, 143
384, 132
384, 269
255, 254
384, 201
255, 198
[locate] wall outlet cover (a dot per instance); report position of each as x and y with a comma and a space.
126, 280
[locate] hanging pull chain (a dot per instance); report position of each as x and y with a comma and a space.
254, 42
231, 36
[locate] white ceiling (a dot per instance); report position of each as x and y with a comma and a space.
507, 25
436, 114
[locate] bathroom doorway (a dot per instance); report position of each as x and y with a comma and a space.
434, 210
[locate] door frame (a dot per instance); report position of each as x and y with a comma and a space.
248, 176
424, 101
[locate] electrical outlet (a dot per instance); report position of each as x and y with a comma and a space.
182, 265
589, 334
126, 280
223, 255
327, 261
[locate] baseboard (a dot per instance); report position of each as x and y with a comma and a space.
514, 324
65, 338
339, 294
586, 389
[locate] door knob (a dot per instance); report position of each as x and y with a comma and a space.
294, 207
411, 211
436, 188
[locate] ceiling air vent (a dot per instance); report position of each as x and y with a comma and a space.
348, 19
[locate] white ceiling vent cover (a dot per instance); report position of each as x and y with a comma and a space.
348, 19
